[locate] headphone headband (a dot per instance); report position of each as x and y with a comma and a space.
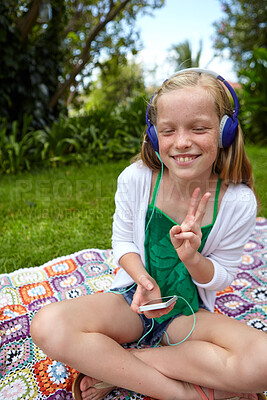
228, 125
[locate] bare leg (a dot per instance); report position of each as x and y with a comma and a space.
208, 358
86, 335
222, 353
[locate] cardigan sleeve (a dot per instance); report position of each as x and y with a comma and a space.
131, 201
123, 218
232, 229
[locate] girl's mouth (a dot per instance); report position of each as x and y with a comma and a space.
185, 159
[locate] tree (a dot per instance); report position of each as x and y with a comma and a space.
31, 61
43, 63
118, 81
243, 32
253, 98
181, 55
242, 29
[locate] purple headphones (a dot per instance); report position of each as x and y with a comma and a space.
228, 125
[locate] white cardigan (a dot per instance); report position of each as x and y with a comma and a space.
224, 246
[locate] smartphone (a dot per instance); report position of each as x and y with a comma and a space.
158, 304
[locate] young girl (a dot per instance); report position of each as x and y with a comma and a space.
183, 214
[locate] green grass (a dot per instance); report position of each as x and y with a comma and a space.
56, 212
258, 157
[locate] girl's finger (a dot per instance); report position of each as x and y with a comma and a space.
185, 236
201, 209
193, 205
175, 230
192, 239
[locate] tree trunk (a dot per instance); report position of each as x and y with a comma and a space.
29, 20
85, 57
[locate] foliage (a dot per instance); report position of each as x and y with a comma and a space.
253, 102
118, 81
100, 135
104, 133
98, 30
243, 32
181, 55
29, 67
41, 64
17, 147
242, 29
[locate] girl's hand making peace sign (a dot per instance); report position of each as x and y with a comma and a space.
186, 238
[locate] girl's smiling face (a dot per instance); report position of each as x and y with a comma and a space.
188, 132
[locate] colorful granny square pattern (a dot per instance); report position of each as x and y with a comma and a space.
101, 283
39, 303
35, 291
5, 281
9, 296
23, 277
63, 267
26, 373
95, 269
19, 385
17, 354
71, 293
89, 256
12, 311
15, 329
52, 375
70, 281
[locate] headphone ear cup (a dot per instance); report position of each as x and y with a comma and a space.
227, 132
153, 136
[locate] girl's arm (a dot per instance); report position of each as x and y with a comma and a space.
186, 240
217, 267
147, 288
125, 247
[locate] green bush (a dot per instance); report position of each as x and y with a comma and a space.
253, 99
17, 148
101, 135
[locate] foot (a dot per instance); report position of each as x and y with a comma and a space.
89, 392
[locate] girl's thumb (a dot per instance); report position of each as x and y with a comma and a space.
146, 283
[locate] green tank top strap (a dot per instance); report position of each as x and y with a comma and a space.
156, 188
216, 200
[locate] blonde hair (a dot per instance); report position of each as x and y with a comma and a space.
231, 164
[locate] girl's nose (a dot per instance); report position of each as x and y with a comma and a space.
182, 139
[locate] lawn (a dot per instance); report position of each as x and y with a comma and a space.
56, 212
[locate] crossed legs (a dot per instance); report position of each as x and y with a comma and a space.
221, 353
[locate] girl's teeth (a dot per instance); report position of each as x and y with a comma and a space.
185, 159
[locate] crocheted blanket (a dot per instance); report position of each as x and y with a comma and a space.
27, 373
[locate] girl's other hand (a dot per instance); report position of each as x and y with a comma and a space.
147, 289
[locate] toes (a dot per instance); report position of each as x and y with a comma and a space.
86, 383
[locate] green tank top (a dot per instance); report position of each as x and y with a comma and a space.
162, 261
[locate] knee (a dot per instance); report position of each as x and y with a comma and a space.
254, 366
260, 355
48, 330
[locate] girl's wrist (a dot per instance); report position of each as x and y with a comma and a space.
193, 262
200, 268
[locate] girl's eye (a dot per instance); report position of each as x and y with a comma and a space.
199, 129
167, 131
